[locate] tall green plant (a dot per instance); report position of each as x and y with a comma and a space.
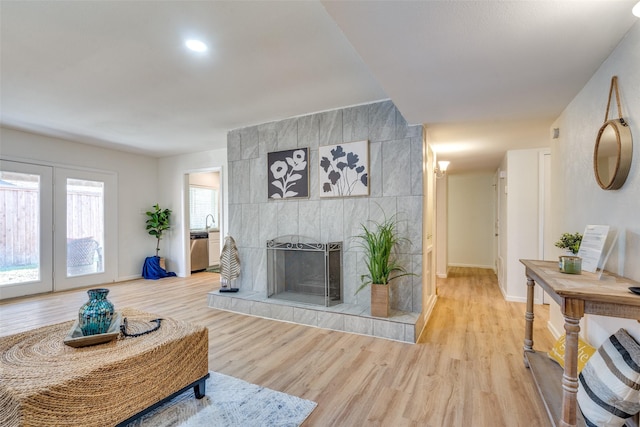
158, 223
378, 243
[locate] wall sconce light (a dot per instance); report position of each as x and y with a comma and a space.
441, 169
636, 10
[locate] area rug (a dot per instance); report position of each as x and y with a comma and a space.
230, 402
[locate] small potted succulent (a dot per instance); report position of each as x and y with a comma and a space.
570, 263
570, 242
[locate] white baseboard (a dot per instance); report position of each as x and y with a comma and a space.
426, 313
556, 333
489, 267
127, 278
515, 299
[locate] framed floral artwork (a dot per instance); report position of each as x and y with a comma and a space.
288, 173
344, 169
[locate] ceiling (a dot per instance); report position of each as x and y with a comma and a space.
485, 76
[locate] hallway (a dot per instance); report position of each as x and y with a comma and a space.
478, 339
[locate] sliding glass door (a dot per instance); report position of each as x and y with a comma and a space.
43, 249
85, 218
26, 227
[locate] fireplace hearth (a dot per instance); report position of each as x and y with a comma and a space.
304, 271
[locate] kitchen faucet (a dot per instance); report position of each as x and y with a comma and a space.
206, 221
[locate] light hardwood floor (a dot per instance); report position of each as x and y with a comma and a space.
467, 369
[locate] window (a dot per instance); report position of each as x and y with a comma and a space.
19, 227
85, 226
203, 207
86, 238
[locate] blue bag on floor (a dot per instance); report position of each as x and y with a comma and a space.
152, 270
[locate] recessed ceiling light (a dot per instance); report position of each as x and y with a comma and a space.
196, 45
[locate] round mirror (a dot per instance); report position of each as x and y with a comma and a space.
612, 155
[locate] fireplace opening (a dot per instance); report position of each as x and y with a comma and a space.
301, 270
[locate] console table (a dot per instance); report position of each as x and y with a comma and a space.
577, 295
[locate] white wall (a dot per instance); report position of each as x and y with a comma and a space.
577, 200
173, 182
137, 186
442, 244
519, 222
142, 182
205, 179
470, 210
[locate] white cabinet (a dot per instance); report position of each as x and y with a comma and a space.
214, 248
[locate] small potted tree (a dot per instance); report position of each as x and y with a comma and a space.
379, 242
157, 224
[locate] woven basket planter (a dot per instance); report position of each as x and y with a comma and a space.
379, 300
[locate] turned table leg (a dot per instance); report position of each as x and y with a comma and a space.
573, 311
528, 318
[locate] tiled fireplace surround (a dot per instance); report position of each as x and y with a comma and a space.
395, 165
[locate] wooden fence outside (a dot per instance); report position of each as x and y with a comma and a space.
20, 222
19, 227
85, 216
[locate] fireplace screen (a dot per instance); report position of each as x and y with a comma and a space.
305, 272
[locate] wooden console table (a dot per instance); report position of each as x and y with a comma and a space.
577, 295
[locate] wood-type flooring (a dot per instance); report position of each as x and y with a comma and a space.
466, 370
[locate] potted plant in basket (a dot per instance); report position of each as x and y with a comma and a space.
379, 242
157, 224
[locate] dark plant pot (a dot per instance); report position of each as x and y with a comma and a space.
379, 300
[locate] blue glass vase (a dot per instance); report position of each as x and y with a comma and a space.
94, 317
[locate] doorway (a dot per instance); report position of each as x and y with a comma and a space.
58, 228
26, 258
204, 219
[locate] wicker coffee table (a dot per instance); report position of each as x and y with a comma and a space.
47, 383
